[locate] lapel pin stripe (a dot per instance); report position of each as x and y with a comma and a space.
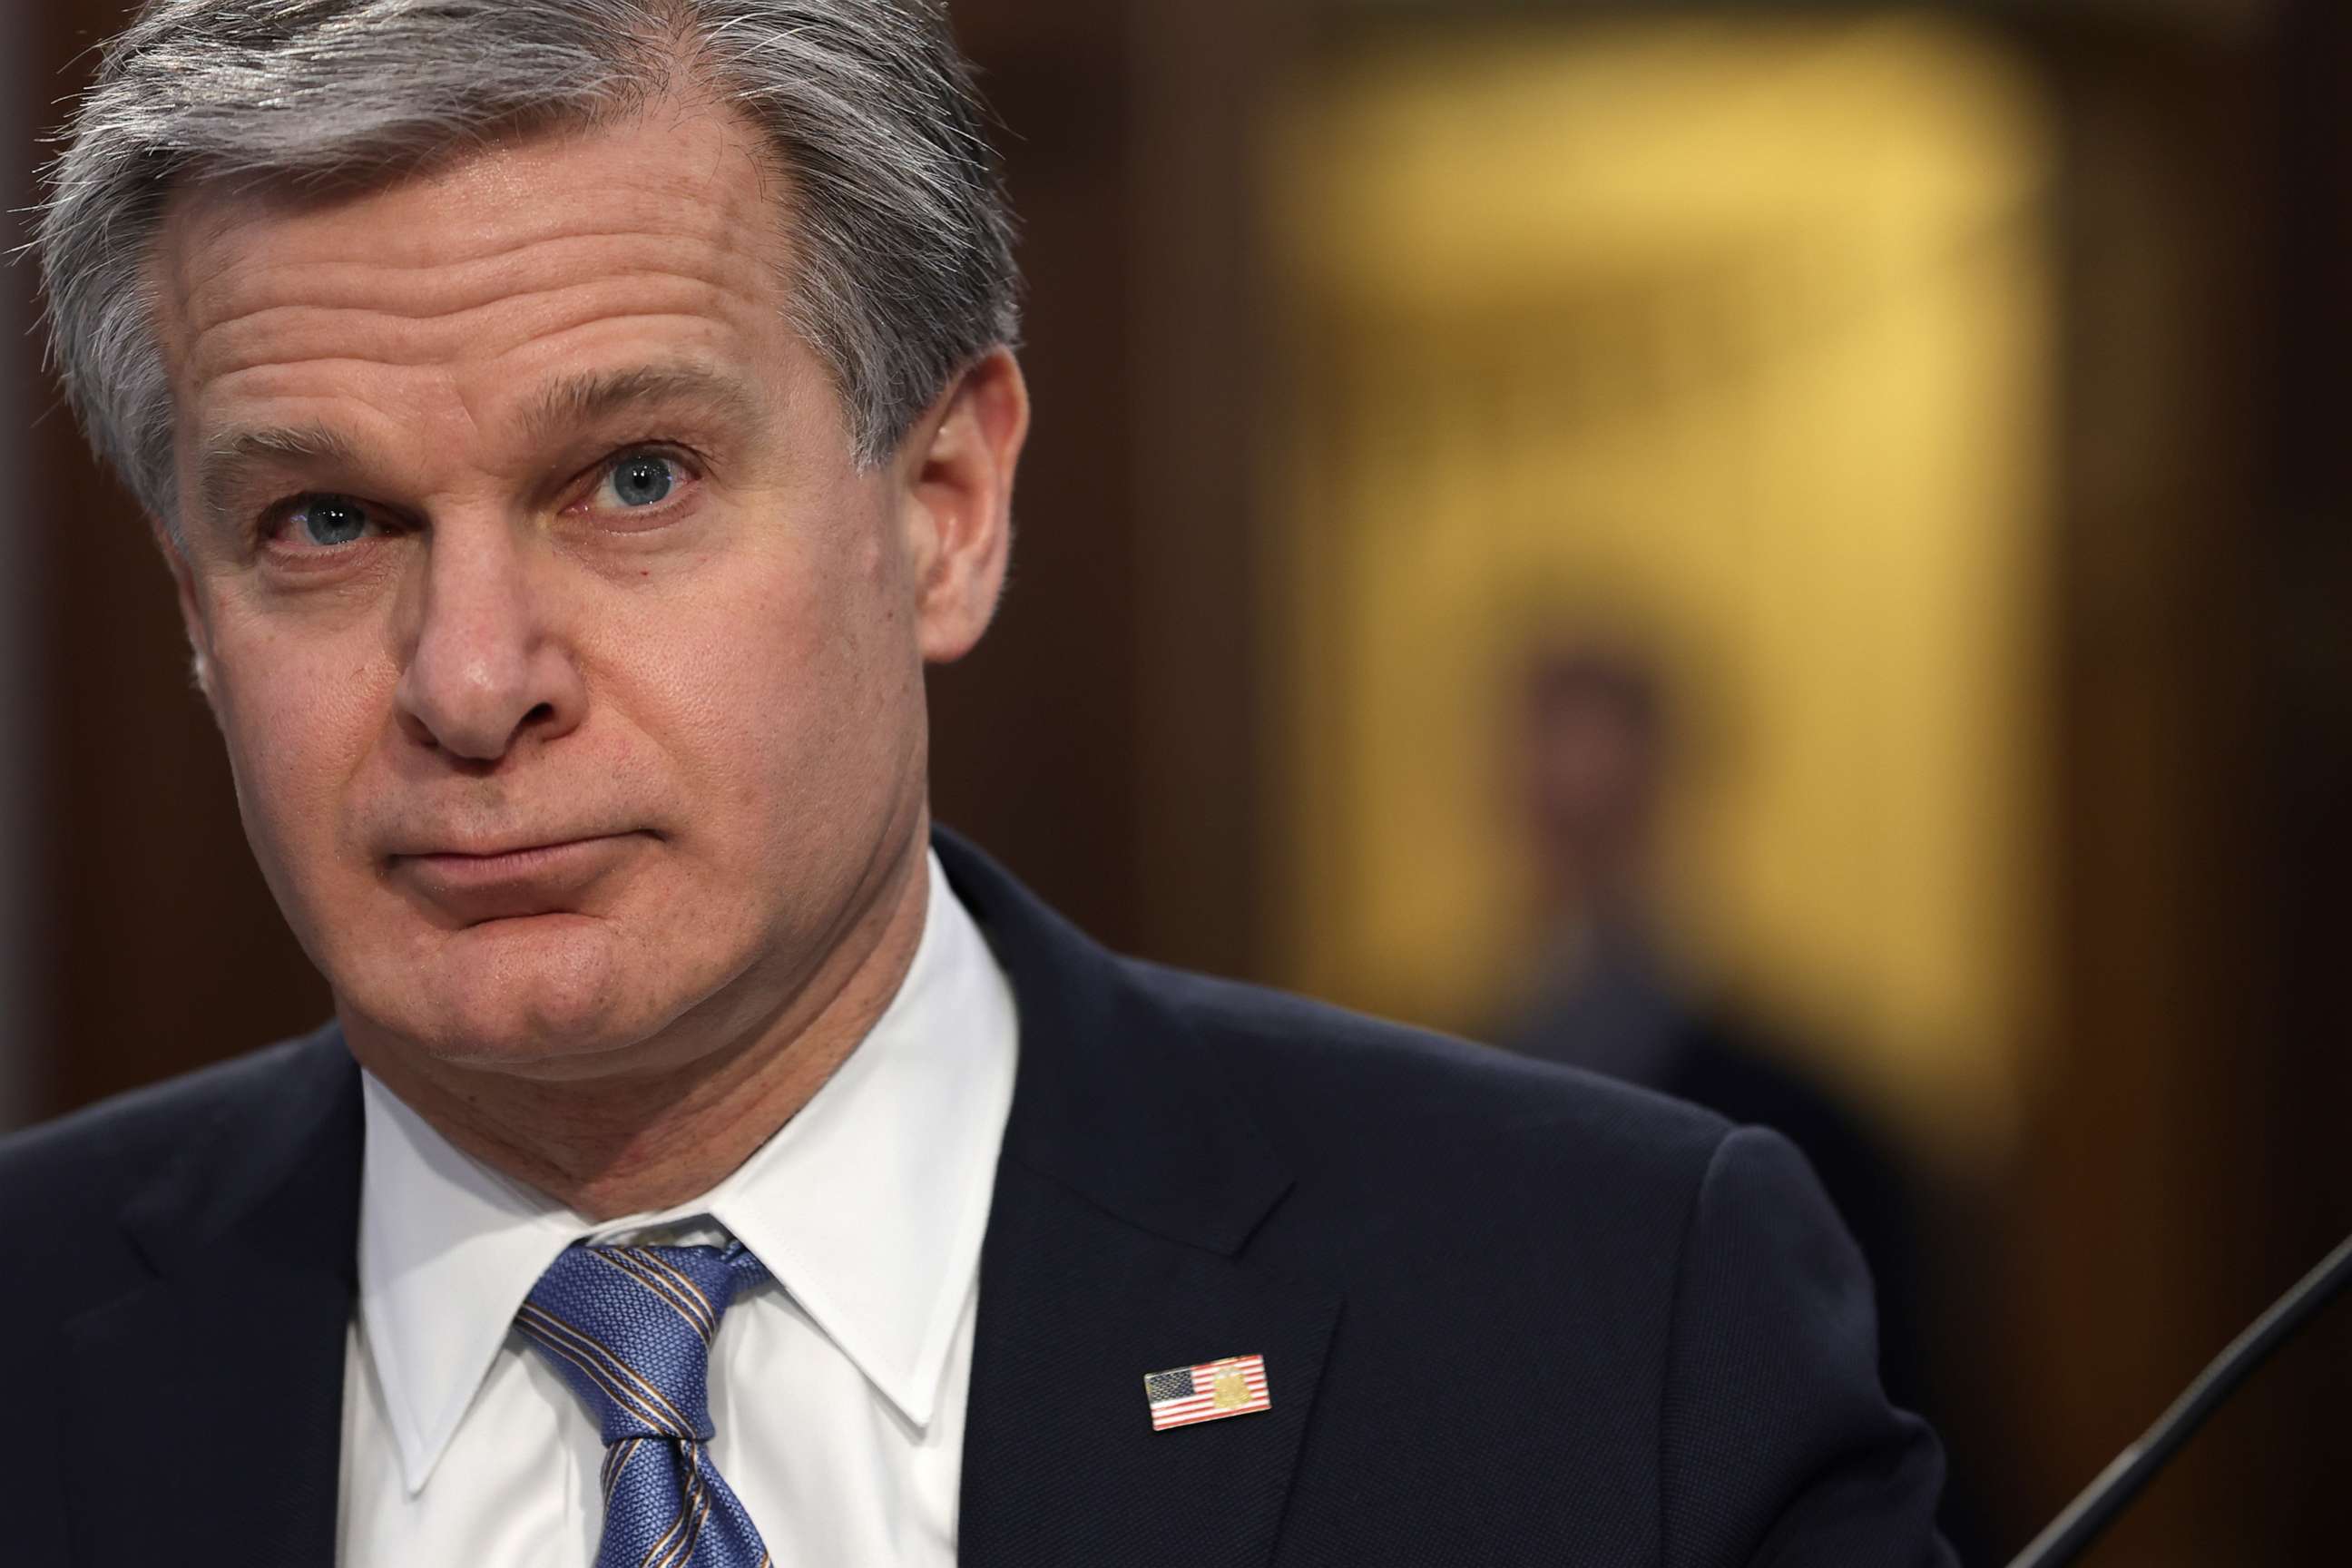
1186, 1395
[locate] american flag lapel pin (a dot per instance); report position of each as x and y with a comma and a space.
1185, 1394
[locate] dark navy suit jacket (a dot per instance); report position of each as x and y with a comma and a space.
1510, 1315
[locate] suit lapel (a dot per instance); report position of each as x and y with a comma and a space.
208, 1422
1130, 1183
1061, 1464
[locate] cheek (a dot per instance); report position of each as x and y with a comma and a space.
300, 718
783, 688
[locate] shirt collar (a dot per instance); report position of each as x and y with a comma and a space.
868, 1207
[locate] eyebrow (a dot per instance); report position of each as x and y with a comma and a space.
578, 400
566, 405
221, 466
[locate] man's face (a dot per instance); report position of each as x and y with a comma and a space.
569, 668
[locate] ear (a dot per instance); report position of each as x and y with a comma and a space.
191, 618
957, 468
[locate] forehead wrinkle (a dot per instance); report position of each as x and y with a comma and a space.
239, 297
399, 329
442, 291
235, 351
487, 213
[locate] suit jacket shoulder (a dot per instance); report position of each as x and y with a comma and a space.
1491, 1185
1614, 1316
81, 1197
1397, 1111
178, 1286
1510, 1312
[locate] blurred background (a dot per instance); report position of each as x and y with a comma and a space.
1792, 552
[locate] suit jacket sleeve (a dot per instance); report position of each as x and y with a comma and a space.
1780, 1447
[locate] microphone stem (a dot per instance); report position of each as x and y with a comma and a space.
2135, 1466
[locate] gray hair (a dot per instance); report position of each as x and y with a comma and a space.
904, 263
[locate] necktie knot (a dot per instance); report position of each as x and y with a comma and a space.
629, 1329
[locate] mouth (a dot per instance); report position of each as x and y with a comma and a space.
513, 880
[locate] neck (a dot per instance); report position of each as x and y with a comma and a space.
685, 1110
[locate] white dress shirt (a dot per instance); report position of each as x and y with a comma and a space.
837, 1387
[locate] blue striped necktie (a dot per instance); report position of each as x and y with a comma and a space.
629, 1328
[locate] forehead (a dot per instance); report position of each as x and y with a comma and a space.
665, 231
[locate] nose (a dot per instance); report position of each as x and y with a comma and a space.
486, 671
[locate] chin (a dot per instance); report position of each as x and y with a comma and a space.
533, 994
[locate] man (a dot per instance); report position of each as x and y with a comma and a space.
572, 425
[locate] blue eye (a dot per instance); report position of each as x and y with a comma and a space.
330, 520
642, 480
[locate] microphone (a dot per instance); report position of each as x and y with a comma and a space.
2133, 1468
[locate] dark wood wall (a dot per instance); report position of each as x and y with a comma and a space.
2135, 1259
2297, 1429
23, 1069
2185, 1163
1036, 734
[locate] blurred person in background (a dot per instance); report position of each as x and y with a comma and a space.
1606, 992
572, 426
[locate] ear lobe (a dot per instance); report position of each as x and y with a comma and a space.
960, 488
192, 619
199, 670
